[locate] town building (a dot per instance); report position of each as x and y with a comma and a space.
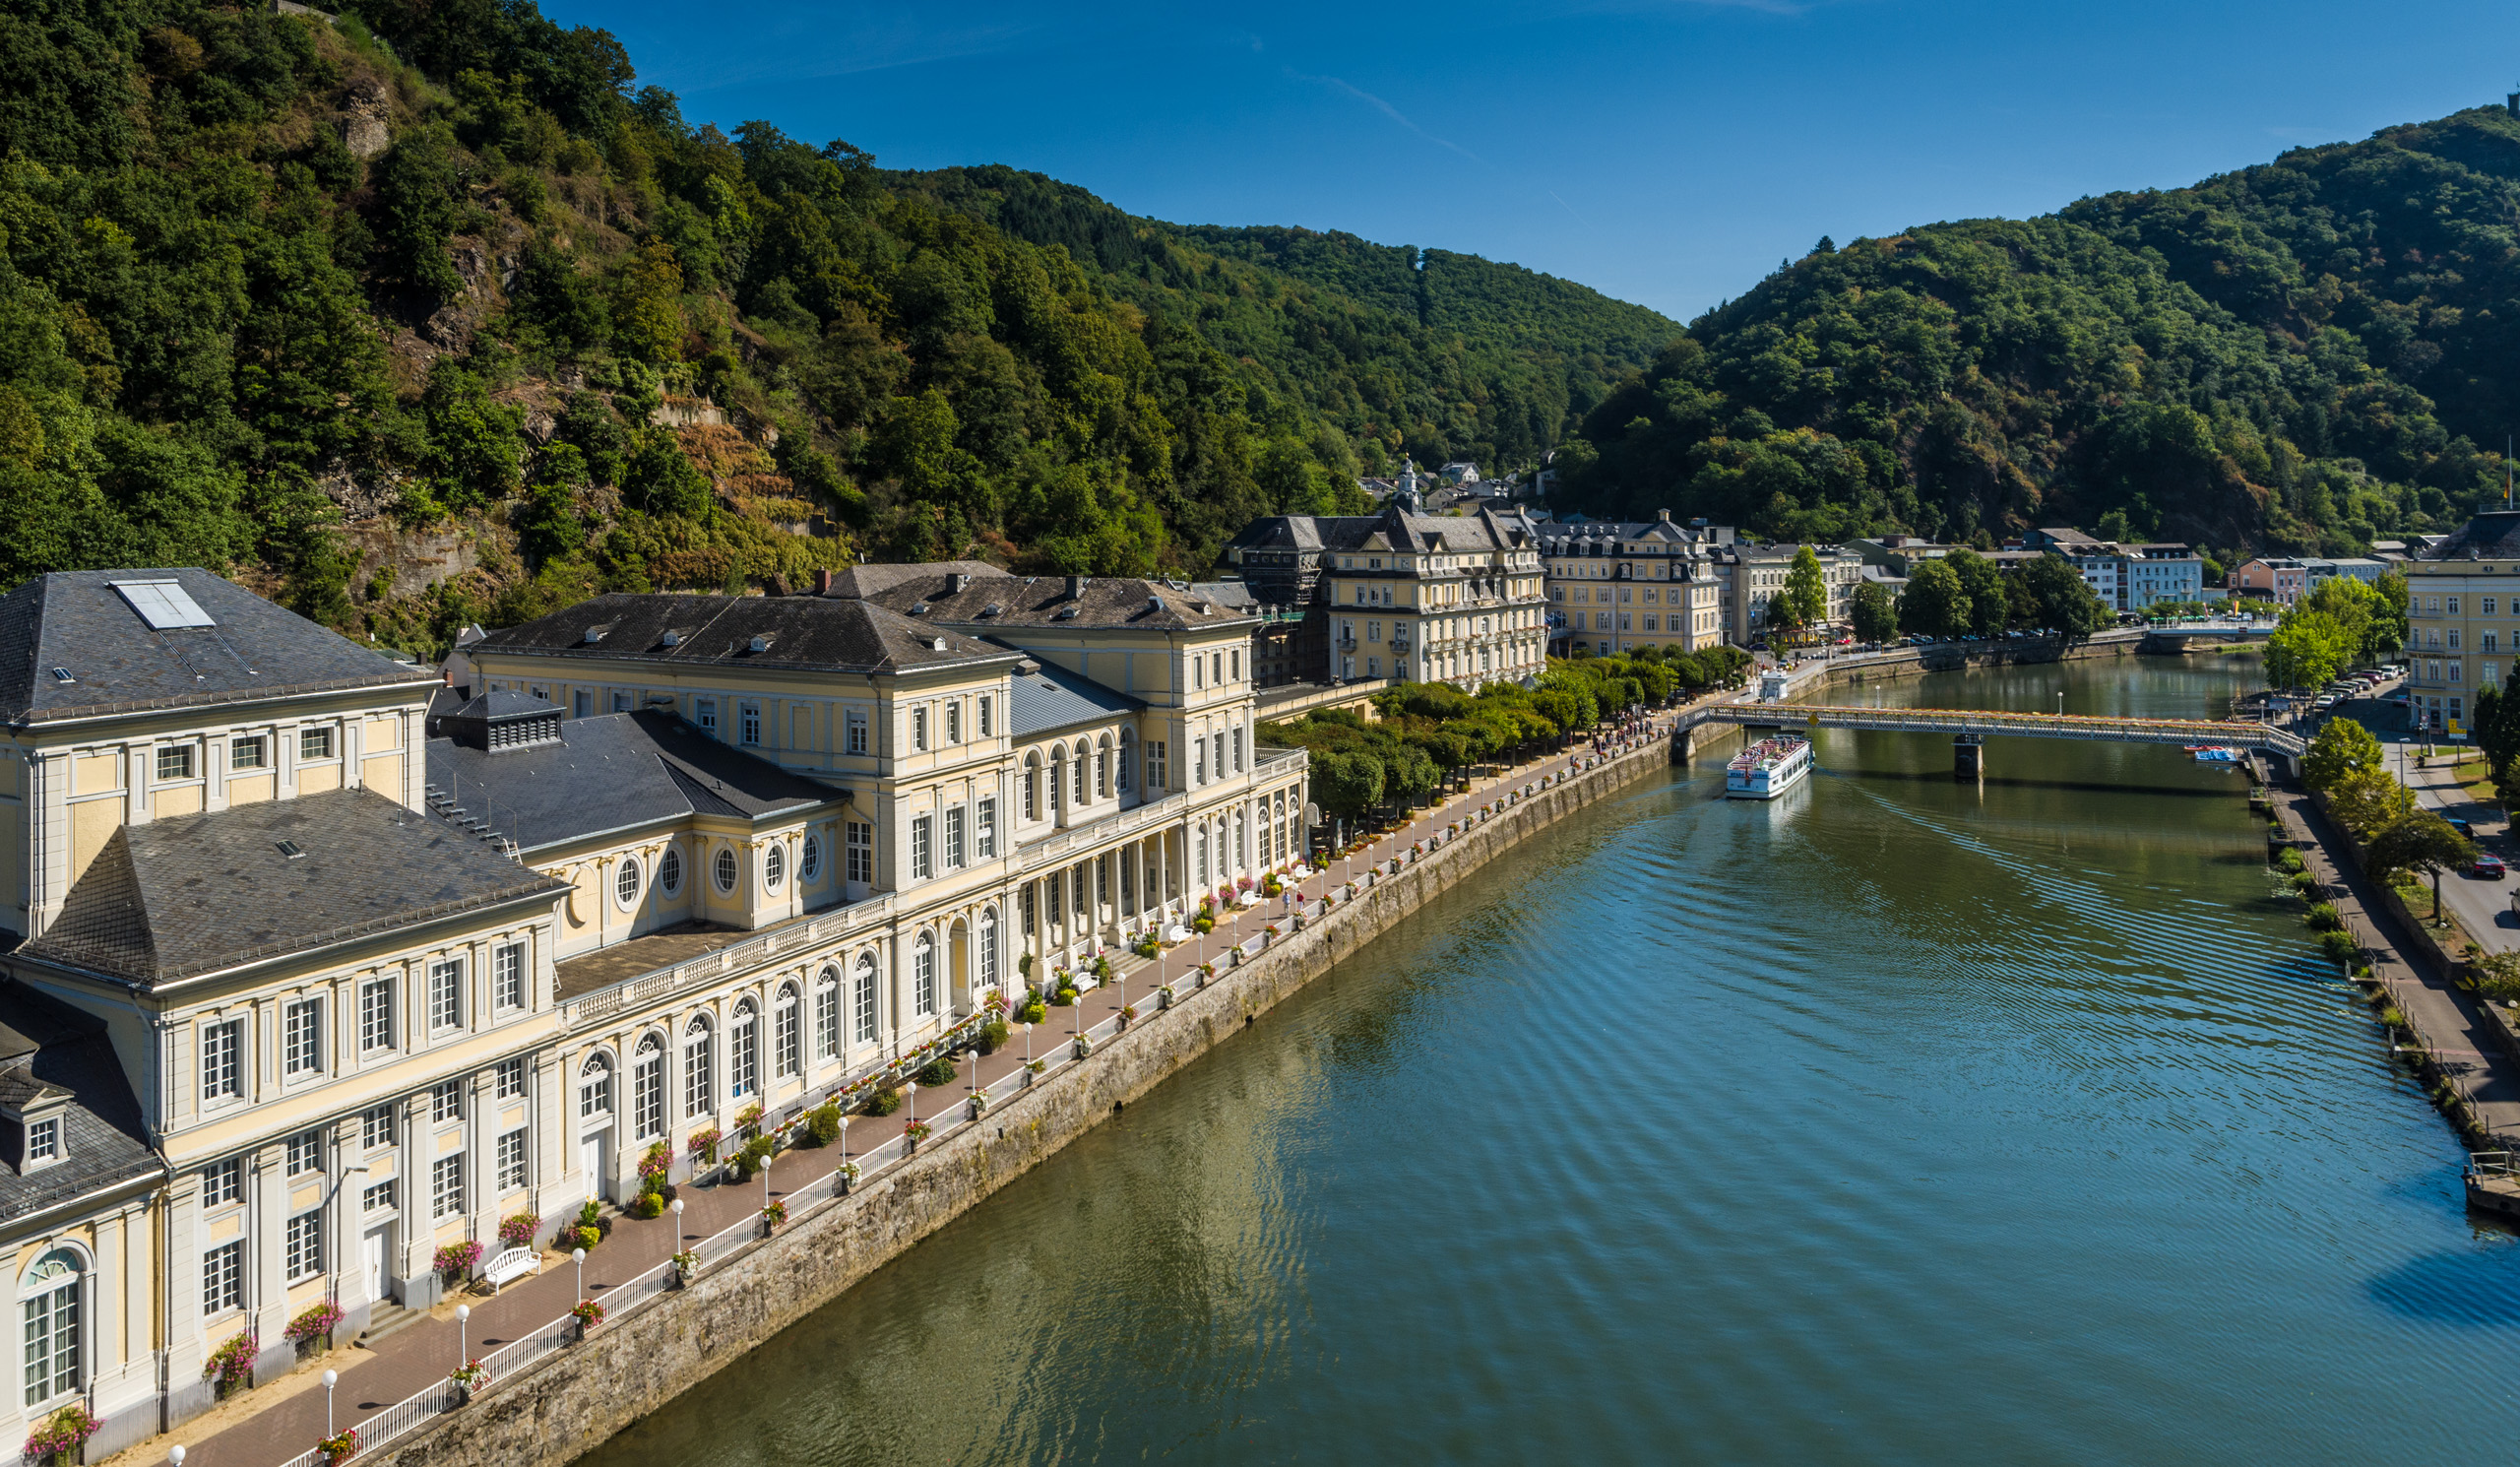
2463, 619
1614, 585
2277, 578
1754, 576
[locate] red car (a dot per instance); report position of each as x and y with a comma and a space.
2488, 865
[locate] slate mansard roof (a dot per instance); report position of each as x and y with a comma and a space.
54, 1054
1395, 529
1053, 697
2491, 536
985, 602
194, 894
116, 662
613, 772
820, 634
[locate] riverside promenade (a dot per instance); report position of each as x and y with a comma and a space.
281, 1423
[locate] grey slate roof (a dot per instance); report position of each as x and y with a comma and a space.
803, 631
49, 1050
197, 893
1057, 698
2491, 536
77, 621
868, 580
1001, 600
612, 772
1393, 528
1233, 596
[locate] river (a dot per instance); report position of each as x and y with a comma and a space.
1898, 1122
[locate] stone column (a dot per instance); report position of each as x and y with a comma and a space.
187, 1394
351, 1288
413, 1280
267, 1296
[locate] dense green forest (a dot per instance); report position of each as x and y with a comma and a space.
2298, 356
435, 312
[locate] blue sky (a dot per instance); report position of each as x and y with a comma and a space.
1667, 152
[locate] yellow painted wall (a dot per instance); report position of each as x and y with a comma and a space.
317, 778
247, 789
91, 824
95, 774
384, 775
184, 799
384, 732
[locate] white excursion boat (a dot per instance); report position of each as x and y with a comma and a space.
1768, 768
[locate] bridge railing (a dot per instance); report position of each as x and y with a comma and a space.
2032, 724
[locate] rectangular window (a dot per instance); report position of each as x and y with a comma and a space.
1199, 762
175, 761
306, 1246
954, 839
827, 1021
246, 752
302, 1030
748, 724
866, 1009
987, 831
582, 703
446, 1186
696, 1054
446, 1102
222, 1183
620, 702
223, 1278
2486, 605
222, 1048
446, 995
705, 713
786, 1054
1239, 743
512, 1161
305, 1152
43, 1141
1155, 780
647, 1093
988, 728
861, 852
315, 743
954, 721
918, 849
2450, 605
507, 975
382, 1198
511, 1073
376, 1127
376, 1015
918, 729
857, 730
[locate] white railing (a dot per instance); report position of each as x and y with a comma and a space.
787, 937
819, 1194
1104, 829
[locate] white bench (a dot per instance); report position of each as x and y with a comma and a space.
510, 1266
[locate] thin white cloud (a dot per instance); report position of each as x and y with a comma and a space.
1388, 110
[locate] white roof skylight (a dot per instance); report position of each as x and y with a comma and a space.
163, 604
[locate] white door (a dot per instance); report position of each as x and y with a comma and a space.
590, 1160
375, 1248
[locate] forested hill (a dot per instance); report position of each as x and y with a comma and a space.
2301, 355
435, 313
1426, 351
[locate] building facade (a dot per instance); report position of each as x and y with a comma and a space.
2463, 619
1615, 587
1754, 576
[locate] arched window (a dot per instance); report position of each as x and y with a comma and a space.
595, 1086
625, 883
726, 870
1083, 753
744, 1051
1202, 856
49, 1301
809, 864
698, 1099
648, 1088
864, 1008
788, 1040
1032, 792
773, 866
827, 1015
988, 946
922, 976
670, 872
1120, 775
1058, 776
1103, 768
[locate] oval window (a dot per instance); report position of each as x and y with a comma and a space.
773, 866
670, 872
810, 865
726, 870
626, 882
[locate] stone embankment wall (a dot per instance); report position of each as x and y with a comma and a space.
555, 1411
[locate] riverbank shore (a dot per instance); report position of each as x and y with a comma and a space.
552, 1399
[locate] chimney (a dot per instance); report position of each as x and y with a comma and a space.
1076, 588
822, 583
1666, 517
959, 581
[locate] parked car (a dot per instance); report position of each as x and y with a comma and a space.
2466, 831
2486, 866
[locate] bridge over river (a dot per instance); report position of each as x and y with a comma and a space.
1970, 729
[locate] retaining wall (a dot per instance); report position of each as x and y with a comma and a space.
555, 1411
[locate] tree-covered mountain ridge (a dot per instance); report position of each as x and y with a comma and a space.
2298, 356
432, 312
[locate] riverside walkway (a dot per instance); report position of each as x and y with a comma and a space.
386, 1389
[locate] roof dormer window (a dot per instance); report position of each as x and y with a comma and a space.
43, 1142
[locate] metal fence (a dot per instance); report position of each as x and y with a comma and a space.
819, 1194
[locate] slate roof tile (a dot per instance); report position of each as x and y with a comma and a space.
824, 633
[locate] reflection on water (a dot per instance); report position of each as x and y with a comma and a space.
1904, 1119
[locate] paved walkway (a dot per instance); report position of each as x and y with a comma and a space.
271, 1424
2447, 1018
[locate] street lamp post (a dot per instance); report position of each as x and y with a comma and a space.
911, 1086
330, 1379
676, 1239
1027, 1049
579, 1256
463, 1333
175, 1454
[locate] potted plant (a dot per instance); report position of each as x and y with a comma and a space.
1084, 1048
456, 1259
312, 1331
468, 1378
748, 1120
979, 1103
844, 1177
685, 1265
913, 1133
1164, 996
62, 1440
588, 1315
1128, 1015
231, 1365
341, 1449
773, 1217
1037, 1066
704, 1145
517, 1230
